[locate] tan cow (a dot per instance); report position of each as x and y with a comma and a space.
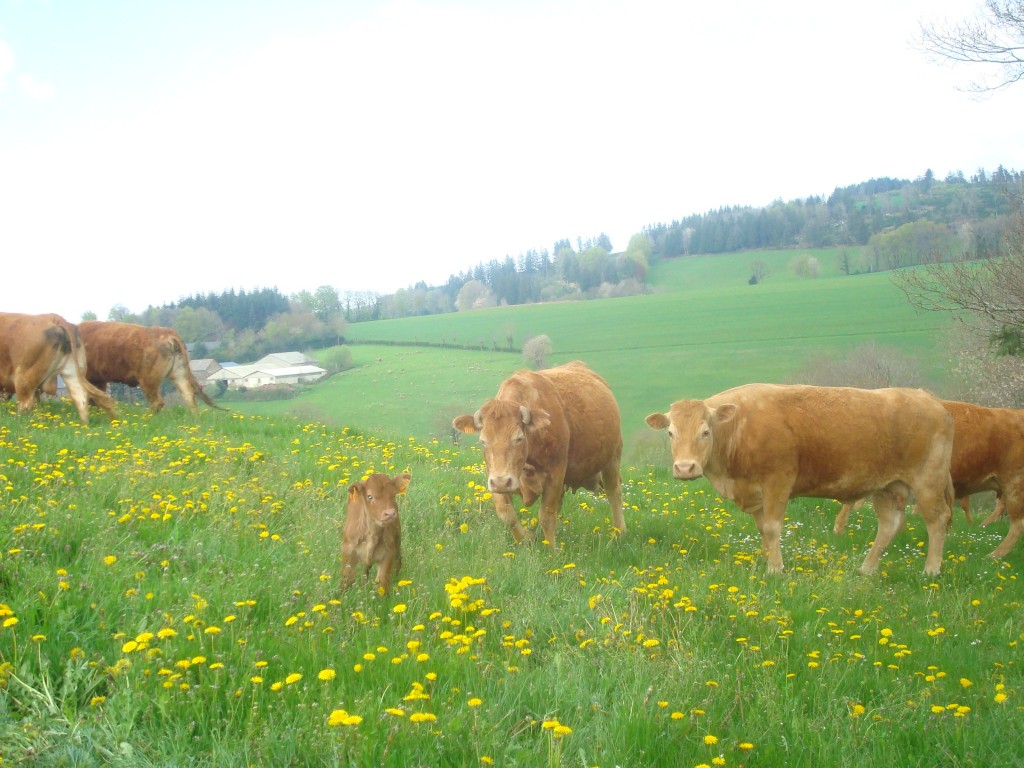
34, 349
763, 444
373, 531
988, 455
546, 431
140, 356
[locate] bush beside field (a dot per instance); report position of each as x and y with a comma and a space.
169, 596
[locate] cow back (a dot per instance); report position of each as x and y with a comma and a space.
586, 427
834, 442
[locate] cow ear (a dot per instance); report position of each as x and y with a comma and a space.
356, 490
658, 421
537, 419
724, 413
401, 483
466, 423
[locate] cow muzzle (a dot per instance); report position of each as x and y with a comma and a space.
502, 483
687, 470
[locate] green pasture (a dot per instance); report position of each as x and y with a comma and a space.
702, 329
169, 596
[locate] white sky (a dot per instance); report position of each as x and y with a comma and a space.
152, 150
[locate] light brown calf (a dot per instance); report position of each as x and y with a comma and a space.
373, 532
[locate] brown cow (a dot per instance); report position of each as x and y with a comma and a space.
763, 444
34, 349
373, 531
140, 356
546, 431
988, 455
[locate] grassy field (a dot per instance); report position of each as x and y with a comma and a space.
701, 330
169, 596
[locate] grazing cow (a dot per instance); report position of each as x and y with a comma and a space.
140, 356
373, 532
763, 444
546, 431
34, 349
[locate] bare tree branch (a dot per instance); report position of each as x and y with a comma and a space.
995, 37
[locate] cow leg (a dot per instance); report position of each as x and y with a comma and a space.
550, 509
153, 396
507, 514
998, 512
348, 567
965, 505
890, 521
768, 514
936, 512
613, 488
384, 574
1013, 505
843, 517
25, 394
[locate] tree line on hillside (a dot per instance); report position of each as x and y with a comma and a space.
246, 325
894, 223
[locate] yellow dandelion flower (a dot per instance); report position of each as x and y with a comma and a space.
400, 608
999, 698
327, 674
395, 711
422, 717
275, 687
110, 559
293, 678
710, 740
475, 702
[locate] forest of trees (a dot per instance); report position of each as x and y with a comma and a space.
894, 223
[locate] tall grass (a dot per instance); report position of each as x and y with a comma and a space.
169, 596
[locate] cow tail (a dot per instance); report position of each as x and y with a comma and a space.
198, 389
96, 395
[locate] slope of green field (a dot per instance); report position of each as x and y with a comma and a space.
702, 329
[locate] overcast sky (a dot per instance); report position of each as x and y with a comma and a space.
152, 150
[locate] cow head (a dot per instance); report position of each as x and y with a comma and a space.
376, 496
692, 428
504, 429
